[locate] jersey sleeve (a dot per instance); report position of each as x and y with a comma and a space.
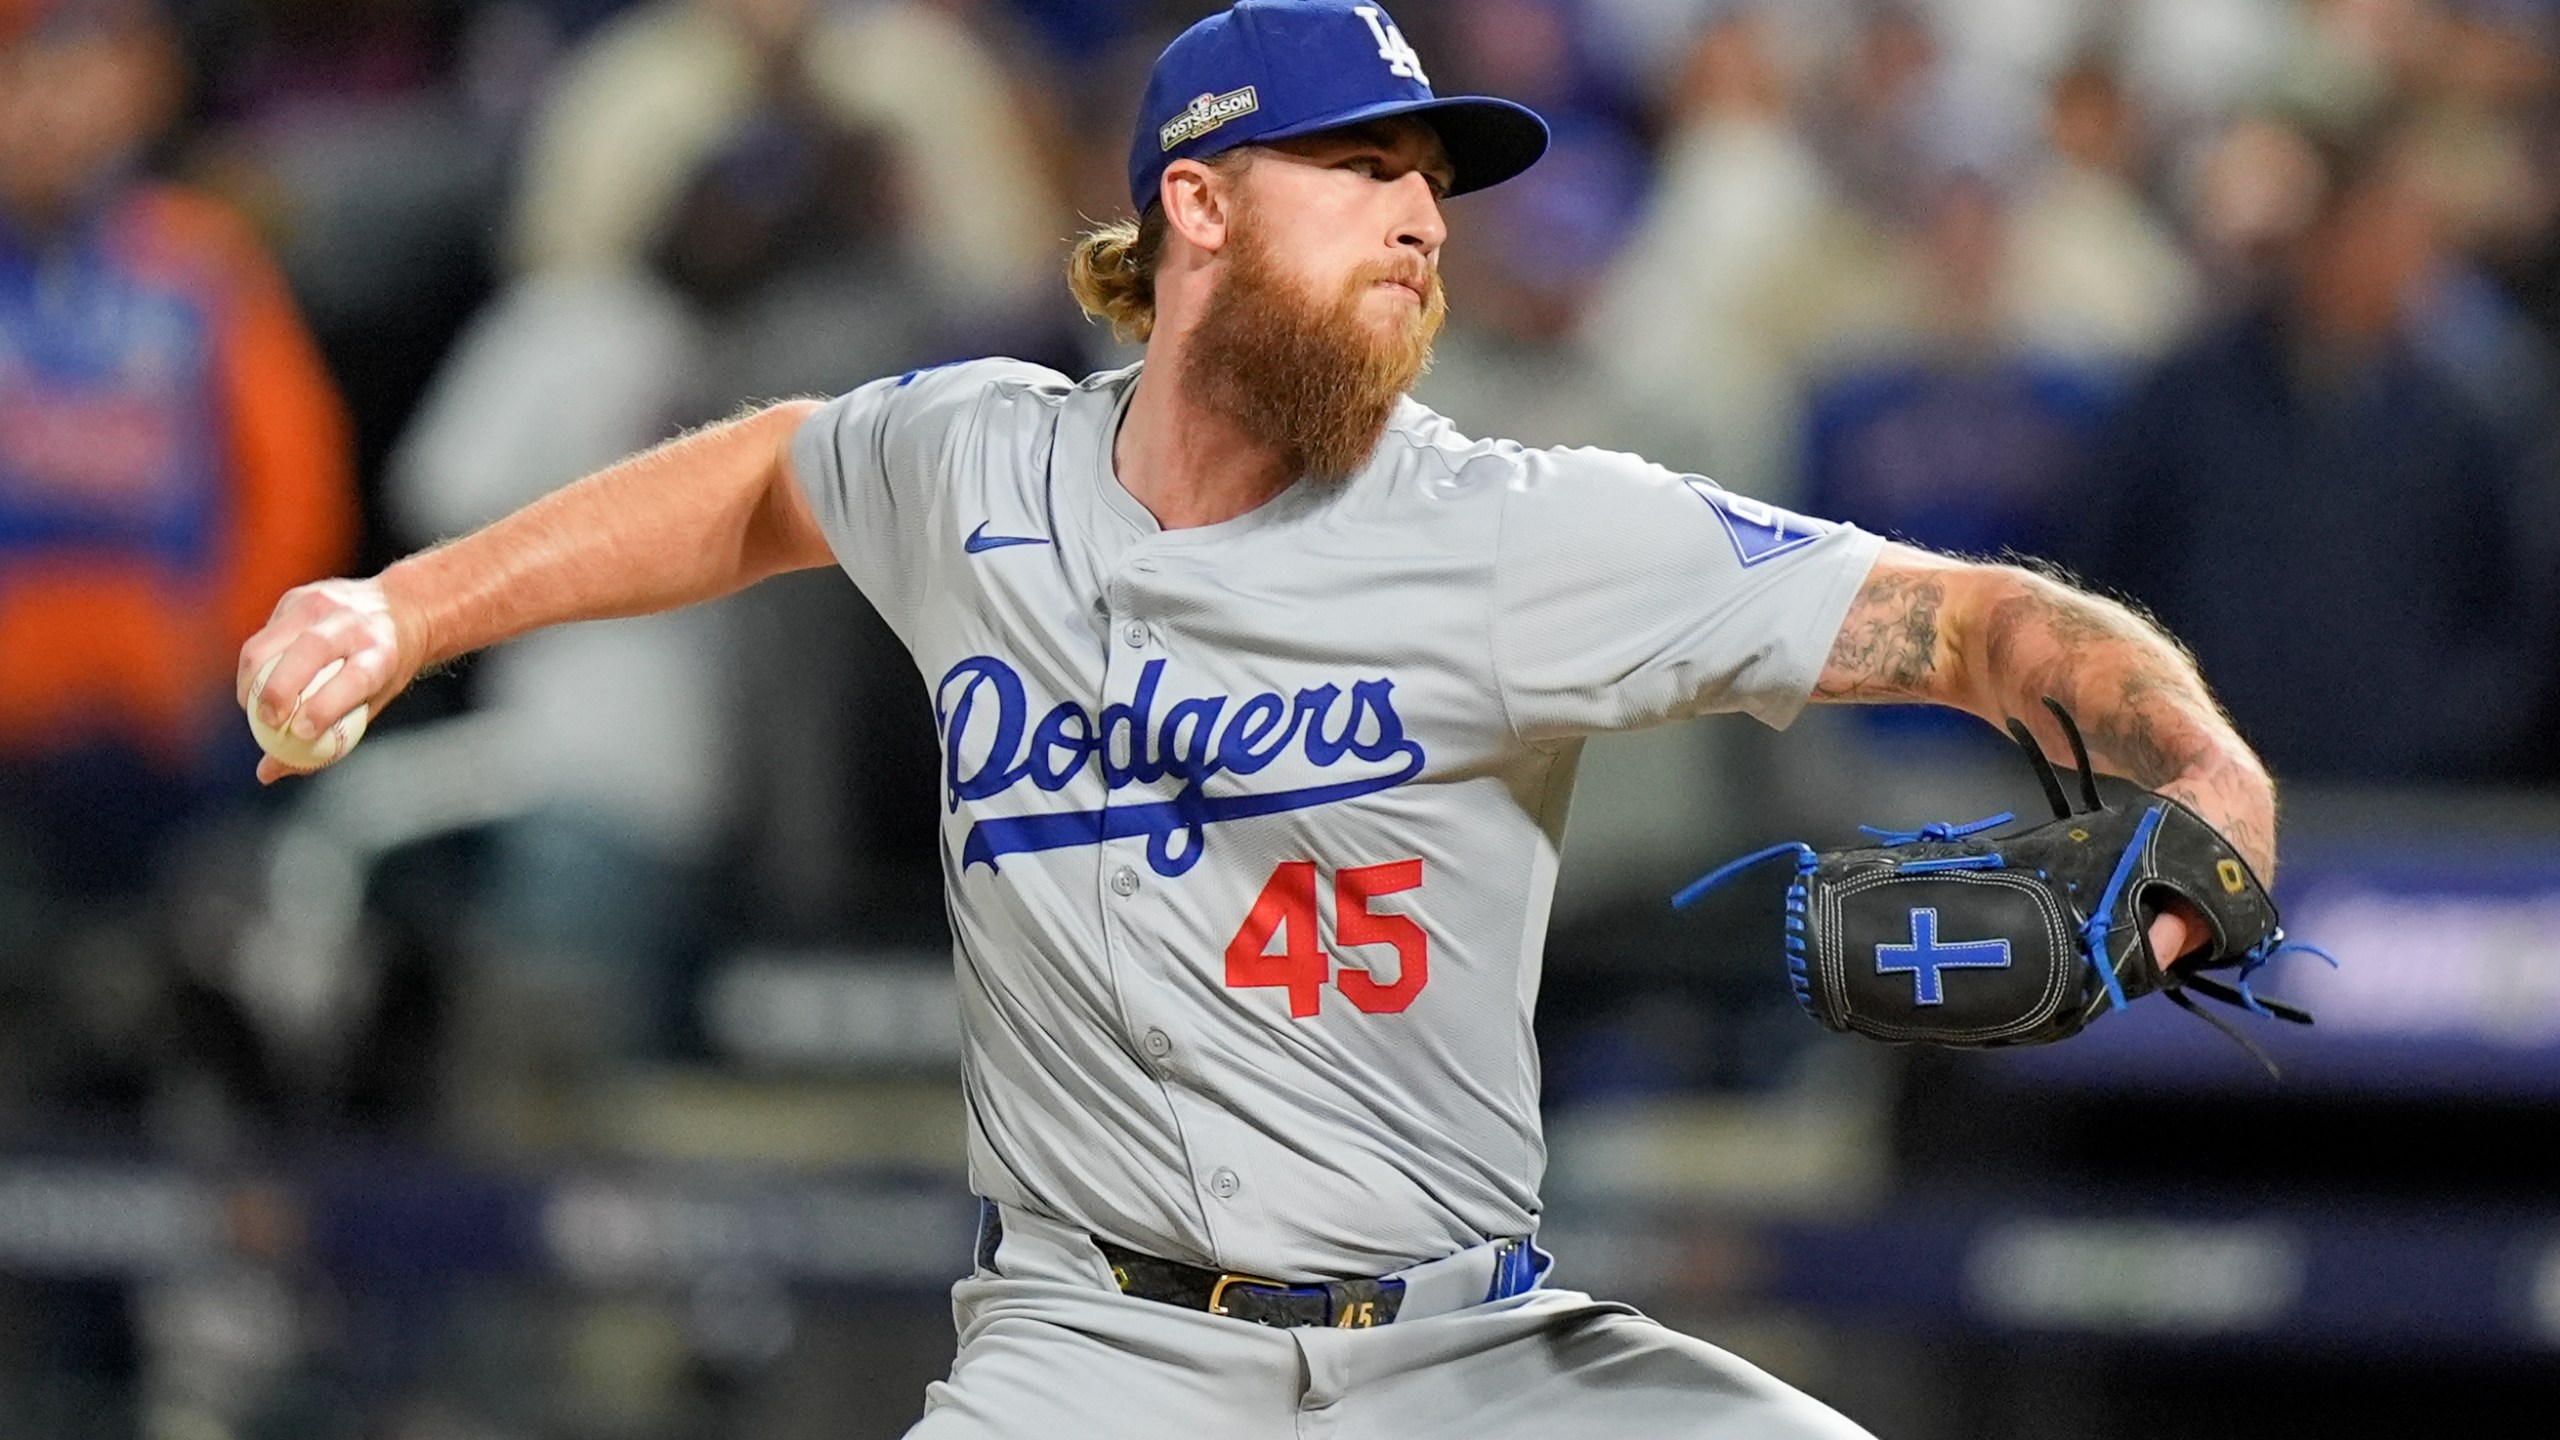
1626, 595
875, 460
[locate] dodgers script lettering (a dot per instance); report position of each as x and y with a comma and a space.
991, 744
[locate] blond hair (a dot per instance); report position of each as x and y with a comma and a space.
1112, 272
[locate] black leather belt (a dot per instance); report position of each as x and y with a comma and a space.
1335, 1304
1341, 1304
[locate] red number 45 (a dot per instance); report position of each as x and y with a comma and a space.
1286, 911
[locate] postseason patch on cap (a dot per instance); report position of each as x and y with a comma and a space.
1205, 114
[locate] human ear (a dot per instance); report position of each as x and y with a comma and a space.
1197, 204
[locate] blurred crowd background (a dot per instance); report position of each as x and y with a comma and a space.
577, 1060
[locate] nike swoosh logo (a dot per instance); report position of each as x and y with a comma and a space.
980, 541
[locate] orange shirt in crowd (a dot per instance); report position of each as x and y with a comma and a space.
173, 457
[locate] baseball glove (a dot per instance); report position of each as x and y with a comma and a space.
1956, 935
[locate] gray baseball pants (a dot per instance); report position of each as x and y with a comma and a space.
1050, 1350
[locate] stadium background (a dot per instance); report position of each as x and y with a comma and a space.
578, 1060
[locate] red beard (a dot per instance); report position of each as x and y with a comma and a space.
1311, 379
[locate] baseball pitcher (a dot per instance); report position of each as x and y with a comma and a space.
1260, 689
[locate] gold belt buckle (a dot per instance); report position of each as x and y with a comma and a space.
1218, 1292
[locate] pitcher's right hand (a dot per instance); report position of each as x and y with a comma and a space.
350, 620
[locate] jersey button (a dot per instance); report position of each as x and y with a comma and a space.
1135, 632
1159, 1044
1124, 881
1224, 1183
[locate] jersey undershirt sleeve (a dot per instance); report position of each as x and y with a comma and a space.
1626, 595
873, 462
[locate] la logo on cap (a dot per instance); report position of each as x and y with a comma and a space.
1392, 46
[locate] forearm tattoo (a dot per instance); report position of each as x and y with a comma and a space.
2126, 682
2145, 711
2011, 638
1888, 645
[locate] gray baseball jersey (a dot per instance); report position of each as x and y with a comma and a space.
1249, 829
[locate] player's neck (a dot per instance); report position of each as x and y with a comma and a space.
1188, 464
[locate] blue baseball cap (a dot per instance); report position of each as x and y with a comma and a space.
1270, 69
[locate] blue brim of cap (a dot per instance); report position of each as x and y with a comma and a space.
1488, 140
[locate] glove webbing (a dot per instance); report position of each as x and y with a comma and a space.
2238, 994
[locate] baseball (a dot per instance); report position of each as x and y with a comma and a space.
330, 746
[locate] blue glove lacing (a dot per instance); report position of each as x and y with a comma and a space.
1936, 830
2255, 959
1799, 974
2093, 931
